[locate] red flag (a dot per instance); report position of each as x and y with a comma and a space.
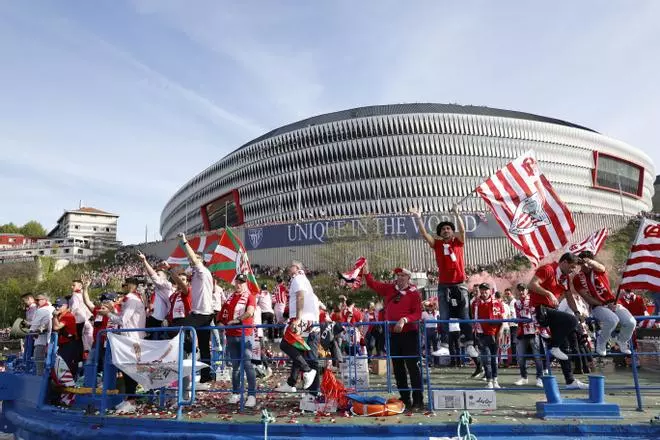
205, 244
230, 259
353, 278
592, 243
643, 266
527, 208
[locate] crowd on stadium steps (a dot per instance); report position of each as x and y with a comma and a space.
555, 305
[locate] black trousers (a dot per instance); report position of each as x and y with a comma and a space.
203, 341
407, 344
514, 348
69, 352
561, 324
154, 323
303, 361
268, 318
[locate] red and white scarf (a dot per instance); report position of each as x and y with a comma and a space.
234, 307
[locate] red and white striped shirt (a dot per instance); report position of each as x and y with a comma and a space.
281, 294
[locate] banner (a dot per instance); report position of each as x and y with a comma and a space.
592, 243
152, 364
643, 266
392, 227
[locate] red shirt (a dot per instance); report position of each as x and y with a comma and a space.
335, 316
399, 304
101, 323
69, 328
357, 315
235, 306
596, 284
636, 306
551, 278
488, 309
524, 309
281, 294
451, 261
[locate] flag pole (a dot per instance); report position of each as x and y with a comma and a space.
461, 201
639, 230
618, 181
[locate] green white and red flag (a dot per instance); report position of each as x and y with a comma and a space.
230, 259
202, 244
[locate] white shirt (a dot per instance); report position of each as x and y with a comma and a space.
265, 302
218, 298
132, 315
163, 289
506, 314
202, 290
30, 312
311, 302
512, 308
42, 320
78, 308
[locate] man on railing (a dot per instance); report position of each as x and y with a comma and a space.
403, 304
40, 327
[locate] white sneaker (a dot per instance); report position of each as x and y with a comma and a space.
522, 381
285, 388
558, 354
481, 375
490, 385
442, 351
308, 378
624, 347
577, 385
234, 399
203, 386
496, 385
539, 383
546, 372
251, 402
471, 351
125, 407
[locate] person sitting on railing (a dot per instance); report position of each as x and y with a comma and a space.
550, 282
40, 327
132, 315
487, 306
239, 310
527, 337
67, 343
403, 304
593, 285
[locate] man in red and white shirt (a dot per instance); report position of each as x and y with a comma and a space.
527, 337
486, 306
180, 301
403, 304
280, 300
633, 303
160, 300
453, 295
265, 305
82, 314
549, 284
593, 284
67, 343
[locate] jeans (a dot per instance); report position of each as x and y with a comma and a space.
488, 350
303, 361
455, 349
514, 345
460, 312
608, 321
240, 361
407, 344
432, 345
39, 357
529, 344
203, 341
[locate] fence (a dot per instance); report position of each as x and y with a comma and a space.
219, 361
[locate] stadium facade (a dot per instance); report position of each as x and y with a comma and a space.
287, 190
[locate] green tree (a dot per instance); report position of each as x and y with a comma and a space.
9, 228
33, 229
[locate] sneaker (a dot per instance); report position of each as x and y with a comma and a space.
251, 402
308, 378
471, 351
522, 381
624, 347
577, 385
481, 375
285, 388
478, 373
442, 351
539, 383
204, 386
496, 384
234, 399
558, 354
490, 385
125, 407
546, 372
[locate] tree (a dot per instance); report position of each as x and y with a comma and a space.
9, 228
33, 229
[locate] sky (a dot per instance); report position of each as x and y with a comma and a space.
118, 103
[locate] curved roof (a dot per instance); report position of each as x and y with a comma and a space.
397, 109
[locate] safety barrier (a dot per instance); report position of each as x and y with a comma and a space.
220, 359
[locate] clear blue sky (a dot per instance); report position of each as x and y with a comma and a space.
118, 103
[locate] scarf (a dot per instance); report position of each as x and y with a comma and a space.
235, 307
353, 277
447, 249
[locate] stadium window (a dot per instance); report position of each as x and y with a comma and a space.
613, 174
66, 251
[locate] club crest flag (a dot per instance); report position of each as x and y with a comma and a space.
203, 244
152, 364
353, 277
527, 208
230, 259
592, 243
643, 266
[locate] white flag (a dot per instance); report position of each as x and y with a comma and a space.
152, 364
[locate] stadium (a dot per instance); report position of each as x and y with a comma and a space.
288, 189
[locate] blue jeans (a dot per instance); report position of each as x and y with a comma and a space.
432, 345
461, 311
239, 360
527, 344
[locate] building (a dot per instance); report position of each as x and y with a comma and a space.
656, 196
8, 240
80, 235
286, 189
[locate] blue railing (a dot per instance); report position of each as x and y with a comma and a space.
103, 399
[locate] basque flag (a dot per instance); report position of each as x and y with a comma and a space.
527, 208
203, 244
230, 259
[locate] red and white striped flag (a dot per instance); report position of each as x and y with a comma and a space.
527, 208
643, 266
592, 243
353, 278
